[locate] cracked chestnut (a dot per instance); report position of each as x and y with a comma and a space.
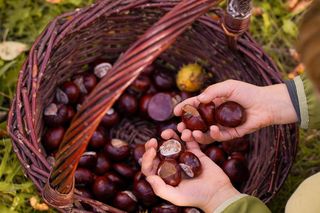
56, 115
117, 149
110, 119
171, 149
88, 160
190, 164
170, 172
192, 119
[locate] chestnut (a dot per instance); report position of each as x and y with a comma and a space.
236, 170
207, 112
166, 208
148, 71
88, 160
145, 193
128, 104
83, 177
138, 152
171, 149
171, 124
163, 80
53, 137
89, 81
192, 119
117, 149
85, 193
161, 105
144, 103
230, 114
124, 170
98, 139
103, 188
216, 154
141, 84
190, 164
110, 119
71, 90
236, 145
185, 95
191, 210
103, 164
169, 170
126, 201
239, 156
70, 112
116, 179
56, 115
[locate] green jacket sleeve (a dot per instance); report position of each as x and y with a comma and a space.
247, 204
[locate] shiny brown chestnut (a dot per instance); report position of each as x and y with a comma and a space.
88, 160
71, 90
70, 112
190, 164
170, 172
171, 149
236, 170
83, 177
144, 103
230, 114
126, 201
141, 84
138, 152
98, 139
216, 154
207, 112
117, 149
236, 145
137, 177
239, 156
53, 137
163, 80
192, 119
191, 210
89, 81
110, 119
103, 164
166, 208
148, 71
161, 105
145, 193
118, 181
56, 115
124, 170
103, 188
128, 104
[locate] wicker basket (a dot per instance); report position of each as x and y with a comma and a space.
135, 33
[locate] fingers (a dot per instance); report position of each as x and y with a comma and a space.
181, 126
152, 143
192, 101
192, 145
225, 134
219, 90
163, 190
149, 160
203, 138
168, 134
186, 135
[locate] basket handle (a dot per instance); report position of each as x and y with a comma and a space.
58, 190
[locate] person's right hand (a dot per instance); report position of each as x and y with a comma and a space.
264, 106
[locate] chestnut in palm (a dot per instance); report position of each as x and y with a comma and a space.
236, 170
207, 112
128, 104
236, 145
110, 119
117, 149
53, 138
166, 208
216, 154
103, 188
192, 119
170, 172
145, 193
171, 149
126, 201
191, 210
190, 164
56, 115
83, 177
230, 114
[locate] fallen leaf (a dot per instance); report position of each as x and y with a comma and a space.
10, 50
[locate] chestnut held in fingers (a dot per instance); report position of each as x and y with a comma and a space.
166, 208
117, 149
138, 152
145, 193
118, 181
216, 154
171, 149
71, 90
236, 145
53, 138
192, 119
98, 139
230, 114
103, 188
128, 104
236, 170
110, 119
126, 201
124, 170
207, 112
103, 164
170, 172
56, 114
161, 105
190, 164
141, 84
83, 177
163, 80
88, 160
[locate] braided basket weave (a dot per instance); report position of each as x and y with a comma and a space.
135, 33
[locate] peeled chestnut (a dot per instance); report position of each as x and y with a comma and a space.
53, 138
124, 170
103, 188
169, 170
236, 170
128, 104
166, 208
89, 81
171, 149
141, 84
116, 179
126, 201
117, 149
88, 160
230, 114
192, 119
236, 145
83, 177
161, 105
138, 152
216, 154
110, 119
145, 193
56, 115
98, 139
71, 90
190, 164
191, 210
144, 103
103, 164
207, 112
163, 80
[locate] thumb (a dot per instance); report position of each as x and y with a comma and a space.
219, 90
161, 189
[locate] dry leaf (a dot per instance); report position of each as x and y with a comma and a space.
38, 206
9, 50
54, 1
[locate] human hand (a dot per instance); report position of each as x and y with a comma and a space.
264, 106
207, 191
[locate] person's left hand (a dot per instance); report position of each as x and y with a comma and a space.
207, 191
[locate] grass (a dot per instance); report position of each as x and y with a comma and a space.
22, 21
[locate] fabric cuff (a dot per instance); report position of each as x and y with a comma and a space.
228, 202
304, 111
294, 97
